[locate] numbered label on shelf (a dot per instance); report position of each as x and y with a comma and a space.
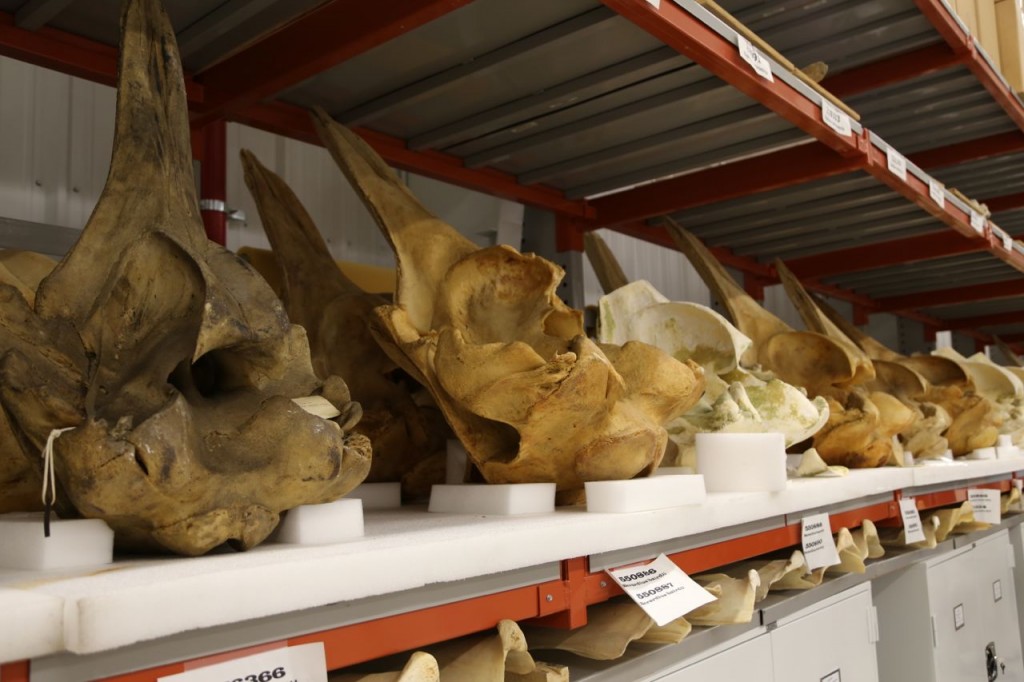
656, 3
912, 530
818, 545
835, 118
1007, 242
897, 164
753, 56
661, 589
978, 222
986, 504
937, 191
305, 663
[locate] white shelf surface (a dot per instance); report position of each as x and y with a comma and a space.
962, 470
137, 600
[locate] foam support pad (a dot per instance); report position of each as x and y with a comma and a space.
322, 524
455, 464
742, 462
504, 499
72, 543
645, 494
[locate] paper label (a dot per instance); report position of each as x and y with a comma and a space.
1007, 242
958, 617
834, 676
818, 545
656, 3
835, 118
937, 191
661, 589
978, 222
305, 663
753, 56
897, 164
912, 529
986, 503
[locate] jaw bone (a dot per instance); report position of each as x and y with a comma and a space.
947, 394
408, 440
173, 361
858, 433
530, 397
735, 401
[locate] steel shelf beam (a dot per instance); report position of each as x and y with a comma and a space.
891, 70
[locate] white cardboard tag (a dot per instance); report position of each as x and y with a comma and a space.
656, 3
753, 56
987, 508
978, 222
937, 191
912, 529
818, 545
661, 589
835, 118
897, 163
304, 663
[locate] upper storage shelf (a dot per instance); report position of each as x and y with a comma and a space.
616, 113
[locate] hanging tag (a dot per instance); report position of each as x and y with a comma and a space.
912, 530
753, 56
661, 589
835, 118
986, 504
937, 191
977, 222
897, 164
304, 663
818, 545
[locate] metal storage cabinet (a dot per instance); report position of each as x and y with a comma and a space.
831, 641
939, 618
747, 658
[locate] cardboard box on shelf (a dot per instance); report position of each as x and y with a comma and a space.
988, 30
1011, 41
966, 10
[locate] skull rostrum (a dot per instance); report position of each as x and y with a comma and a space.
527, 393
172, 359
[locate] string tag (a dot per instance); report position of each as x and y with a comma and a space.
50, 478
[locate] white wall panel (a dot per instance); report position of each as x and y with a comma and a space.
667, 269
55, 138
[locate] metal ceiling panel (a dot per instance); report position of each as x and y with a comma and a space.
934, 110
977, 308
574, 96
910, 278
814, 217
842, 33
986, 178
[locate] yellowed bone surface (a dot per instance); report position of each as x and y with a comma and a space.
529, 395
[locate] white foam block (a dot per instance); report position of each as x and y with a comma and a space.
982, 453
455, 464
378, 495
322, 524
506, 499
1004, 441
645, 494
72, 543
1008, 452
33, 625
742, 462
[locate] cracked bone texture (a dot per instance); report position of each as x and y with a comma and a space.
858, 434
407, 430
172, 359
529, 395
